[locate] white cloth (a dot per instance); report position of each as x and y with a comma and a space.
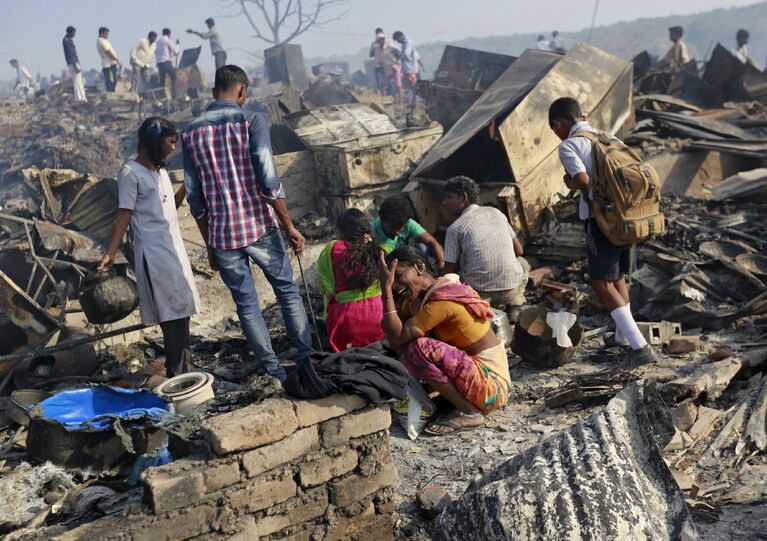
543, 45
142, 53
23, 76
169, 291
481, 242
104, 48
77, 83
560, 323
166, 49
214, 36
576, 155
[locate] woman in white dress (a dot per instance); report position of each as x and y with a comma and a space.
166, 287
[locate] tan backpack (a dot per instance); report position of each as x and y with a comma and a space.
625, 191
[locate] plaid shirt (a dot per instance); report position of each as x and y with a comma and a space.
230, 175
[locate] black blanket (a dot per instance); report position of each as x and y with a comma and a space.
361, 371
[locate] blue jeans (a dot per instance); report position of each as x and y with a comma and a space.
270, 255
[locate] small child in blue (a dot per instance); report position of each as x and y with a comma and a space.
394, 228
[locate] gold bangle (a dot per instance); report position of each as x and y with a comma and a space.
390, 312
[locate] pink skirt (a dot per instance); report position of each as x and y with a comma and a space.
354, 324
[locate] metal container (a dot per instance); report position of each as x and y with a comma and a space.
501, 327
106, 297
534, 342
373, 160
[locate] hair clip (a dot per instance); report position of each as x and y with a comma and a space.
159, 128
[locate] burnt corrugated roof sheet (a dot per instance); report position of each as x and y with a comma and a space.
602, 478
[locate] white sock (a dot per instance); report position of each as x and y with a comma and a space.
619, 338
628, 327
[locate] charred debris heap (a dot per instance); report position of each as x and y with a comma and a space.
250, 462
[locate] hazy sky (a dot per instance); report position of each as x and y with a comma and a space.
31, 30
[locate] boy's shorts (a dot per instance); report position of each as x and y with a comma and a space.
606, 260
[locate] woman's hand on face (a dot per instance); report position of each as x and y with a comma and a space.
386, 272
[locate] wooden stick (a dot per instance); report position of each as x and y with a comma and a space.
69, 344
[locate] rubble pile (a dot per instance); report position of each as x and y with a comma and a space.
57, 135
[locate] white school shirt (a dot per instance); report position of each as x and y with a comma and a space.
103, 47
576, 155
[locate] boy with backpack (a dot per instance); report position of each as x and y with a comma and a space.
619, 202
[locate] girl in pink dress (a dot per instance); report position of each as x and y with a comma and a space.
348, 277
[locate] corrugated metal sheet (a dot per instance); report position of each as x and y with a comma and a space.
339, 123
602, 478
470, 69
503, 94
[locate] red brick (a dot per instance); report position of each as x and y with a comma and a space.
342, 526
312, 412
354, 487
291, 448
379, 528
311, 505
218, 476
326, 466
166, 489
683, 344
251, 427
341, 430
260, 493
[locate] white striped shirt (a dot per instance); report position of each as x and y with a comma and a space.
481, 243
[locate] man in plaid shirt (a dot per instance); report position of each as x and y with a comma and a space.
239, 203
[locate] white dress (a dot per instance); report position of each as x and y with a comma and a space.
166, 285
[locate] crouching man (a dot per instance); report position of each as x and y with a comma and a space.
482, 247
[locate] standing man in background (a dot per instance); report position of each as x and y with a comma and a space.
386, 56
141, 61
73, 63
677, 56
408, 57
165, 53
214, 36
557, 44
238, 201
109, 60
741, 51
24, 80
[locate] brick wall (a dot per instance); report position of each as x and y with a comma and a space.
279, 469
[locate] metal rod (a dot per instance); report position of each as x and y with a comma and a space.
42, 280
12, 218
32, 278
593, 20
59, 263
69, 344
62, 299
309, 302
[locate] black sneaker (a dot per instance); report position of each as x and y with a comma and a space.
640, 356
